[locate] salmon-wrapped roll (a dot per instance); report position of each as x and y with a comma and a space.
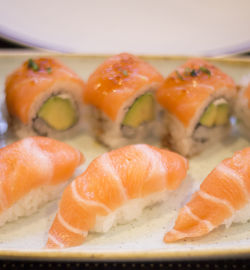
223, 198
197, 98
242, 106
44, 97
114, 189
33, 171
121, 97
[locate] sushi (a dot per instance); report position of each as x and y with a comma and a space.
43, 97
222, 198
120, 97
197, 101
114, 189
242, 106
33, 171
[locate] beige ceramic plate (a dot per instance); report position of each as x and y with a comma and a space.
141, 239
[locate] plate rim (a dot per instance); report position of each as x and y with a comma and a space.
156, 255
34, 52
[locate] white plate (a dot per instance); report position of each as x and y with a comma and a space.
155, 27
142, 238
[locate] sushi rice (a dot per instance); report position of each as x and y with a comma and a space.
31, 202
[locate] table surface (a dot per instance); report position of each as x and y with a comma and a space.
242, 263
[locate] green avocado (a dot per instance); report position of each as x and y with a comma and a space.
222, 114
142, 110
209, 116
59, 113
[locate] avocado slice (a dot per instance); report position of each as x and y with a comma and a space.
222, 117
142, 110
59, 113
209, 116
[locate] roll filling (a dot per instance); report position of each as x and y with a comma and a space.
140, 113
58, 112
216, 114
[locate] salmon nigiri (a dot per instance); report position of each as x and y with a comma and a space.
121, 98
33, 171
223, 198
197, 100
43, 96
114, 189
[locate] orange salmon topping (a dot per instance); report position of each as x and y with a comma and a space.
186, 88
31, 79
118, 79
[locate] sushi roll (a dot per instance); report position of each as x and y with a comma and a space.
242, 106
33, 171
197, 101
114, 189
44, 97
120, 95
222, 198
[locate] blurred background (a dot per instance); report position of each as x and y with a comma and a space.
154, 27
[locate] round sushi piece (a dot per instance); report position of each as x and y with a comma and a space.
44, 97
197, 100
121, 98
34, 171
242, 106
